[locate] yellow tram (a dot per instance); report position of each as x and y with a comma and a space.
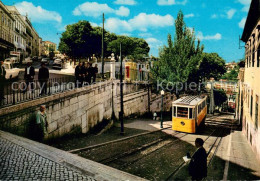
188, 113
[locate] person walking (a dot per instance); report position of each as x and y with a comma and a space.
2, 81
43, 78
41, 124
88, 74
95, 71
29, 76
79, 75
198, 163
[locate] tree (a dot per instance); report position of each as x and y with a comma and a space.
180, 58
78, 40
219, 97
212, 65
136, 48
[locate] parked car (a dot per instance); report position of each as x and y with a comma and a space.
11, 72
59, 64
11, 60
46, 61
35, 58
27, 60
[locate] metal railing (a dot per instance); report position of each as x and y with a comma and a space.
13, 93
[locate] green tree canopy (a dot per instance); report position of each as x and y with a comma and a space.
219, 97
83, 40
212, 65
181, 57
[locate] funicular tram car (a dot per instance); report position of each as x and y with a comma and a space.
188, 113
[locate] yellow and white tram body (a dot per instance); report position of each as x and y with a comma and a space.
188, 113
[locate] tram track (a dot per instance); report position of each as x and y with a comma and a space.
183, 163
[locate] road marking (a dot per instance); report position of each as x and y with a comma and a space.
228, 157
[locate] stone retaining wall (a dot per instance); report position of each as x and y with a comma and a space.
81, 109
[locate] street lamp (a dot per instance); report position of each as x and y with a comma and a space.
162, 94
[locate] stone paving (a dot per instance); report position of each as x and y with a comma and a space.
18, 163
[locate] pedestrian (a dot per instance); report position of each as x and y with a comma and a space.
88, 74
91, 72
79, 75
95, 71
41, 124
198, 163
43, 78
2, 81
29, 76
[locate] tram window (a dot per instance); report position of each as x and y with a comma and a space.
190, 113
182, 112
174, 111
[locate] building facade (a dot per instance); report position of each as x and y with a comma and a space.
250, 90
49, 47
19, 32
6, 32
17, 35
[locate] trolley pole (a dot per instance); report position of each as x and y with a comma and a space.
102, 52
121, 114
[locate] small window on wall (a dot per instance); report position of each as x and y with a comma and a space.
190, 113
256, 112
182, 112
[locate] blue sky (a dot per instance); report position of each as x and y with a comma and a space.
217, 23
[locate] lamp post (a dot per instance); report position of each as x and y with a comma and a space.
162, 94
121, 114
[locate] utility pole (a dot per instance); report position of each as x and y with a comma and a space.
102, 52
121, 114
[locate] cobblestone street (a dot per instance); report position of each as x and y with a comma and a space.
17, 163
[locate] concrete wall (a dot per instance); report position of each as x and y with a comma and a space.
81, 109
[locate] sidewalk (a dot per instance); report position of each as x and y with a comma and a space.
24, 159
235, 160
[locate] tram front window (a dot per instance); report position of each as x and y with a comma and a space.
182, 112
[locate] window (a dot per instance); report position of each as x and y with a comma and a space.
182, 112
174, 111
253, 58
258, 55
251, 105
256, 112
190, 113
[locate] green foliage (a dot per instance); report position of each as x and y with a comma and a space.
83, 40
219, 97
212, 65
180, 58
135, 48
232, 75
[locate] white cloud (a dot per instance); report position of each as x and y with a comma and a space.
241, 24
200, 36
189, 15
37, 13
214, 16
140, 22
95, 9
94, 24
170, 2
231, 13
125, 2
153, 42
145, 34
246, 4
123, 11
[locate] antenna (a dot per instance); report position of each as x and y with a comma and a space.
239, 41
